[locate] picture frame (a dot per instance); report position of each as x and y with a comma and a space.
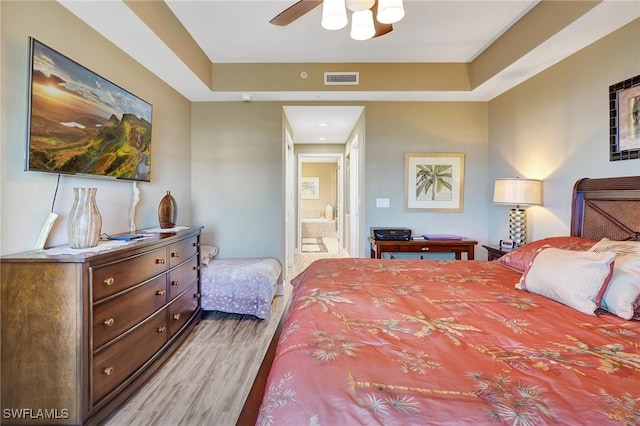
310, 188
624, 120
433, 181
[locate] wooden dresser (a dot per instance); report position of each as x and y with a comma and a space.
81, 333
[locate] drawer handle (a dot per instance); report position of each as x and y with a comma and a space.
108, 371
109, 322
176, 254
176, 282
159, 261
425, 249
109, 281
161, 329
196, 295
176, 316
160, 292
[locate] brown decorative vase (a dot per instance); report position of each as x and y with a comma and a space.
167, 211
85, 222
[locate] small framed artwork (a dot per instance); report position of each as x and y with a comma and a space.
433, 181
310, 188
624, 120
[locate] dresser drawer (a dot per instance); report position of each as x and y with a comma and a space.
115, 363
115, 277
179, 252
117, 315
182, 277
183, 308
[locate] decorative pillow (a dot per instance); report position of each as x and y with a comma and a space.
577, 279
622, 297
207, 253
520, 258
618, 247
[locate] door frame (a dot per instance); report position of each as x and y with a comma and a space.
337, 158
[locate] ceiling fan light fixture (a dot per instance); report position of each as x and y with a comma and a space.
362, 27
355, 5
334, 15
390, 11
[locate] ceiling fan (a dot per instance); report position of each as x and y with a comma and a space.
301, 7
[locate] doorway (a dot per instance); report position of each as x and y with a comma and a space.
340, 213
320, 203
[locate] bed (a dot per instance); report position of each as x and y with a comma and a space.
404, 342
240, 286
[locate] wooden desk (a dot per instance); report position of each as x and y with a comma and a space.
423, 246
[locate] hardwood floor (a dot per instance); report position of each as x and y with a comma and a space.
209, 377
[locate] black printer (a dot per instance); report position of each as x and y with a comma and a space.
391, 234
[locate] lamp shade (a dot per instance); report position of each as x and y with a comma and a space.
355, 5
362, 27
334, 15
518, 192
390, 11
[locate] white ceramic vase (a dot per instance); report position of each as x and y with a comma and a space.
85, 222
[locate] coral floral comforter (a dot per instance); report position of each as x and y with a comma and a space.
410, 342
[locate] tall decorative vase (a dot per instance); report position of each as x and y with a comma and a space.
328, 212
167, 211
85, 222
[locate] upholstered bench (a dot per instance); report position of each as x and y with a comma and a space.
240, 286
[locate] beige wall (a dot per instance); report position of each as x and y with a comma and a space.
555, 127
27, 196
238, 170
399, 127
237, 175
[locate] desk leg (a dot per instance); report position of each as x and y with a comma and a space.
458, 255
470, 254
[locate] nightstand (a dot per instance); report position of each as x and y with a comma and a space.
495, 252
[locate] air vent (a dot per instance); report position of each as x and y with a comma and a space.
341, 78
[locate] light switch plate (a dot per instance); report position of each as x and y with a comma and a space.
382, 202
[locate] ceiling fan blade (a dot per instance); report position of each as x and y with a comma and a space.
294, 11
381, 29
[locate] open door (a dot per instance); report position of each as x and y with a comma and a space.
290, 222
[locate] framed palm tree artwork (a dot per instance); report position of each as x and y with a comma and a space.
434, 181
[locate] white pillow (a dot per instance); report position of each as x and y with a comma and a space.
577, 279
207, 253
622, 296
619, 247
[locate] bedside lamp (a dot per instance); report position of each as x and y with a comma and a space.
518, 192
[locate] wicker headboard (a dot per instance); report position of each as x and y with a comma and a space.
606, 208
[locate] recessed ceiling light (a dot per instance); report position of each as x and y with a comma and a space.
322, 138
322, 124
